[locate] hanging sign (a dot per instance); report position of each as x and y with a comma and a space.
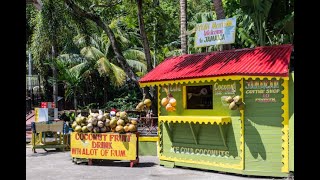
215, 32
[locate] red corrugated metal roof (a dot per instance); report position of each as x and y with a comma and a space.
260, 61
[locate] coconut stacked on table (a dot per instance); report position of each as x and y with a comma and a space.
101, 123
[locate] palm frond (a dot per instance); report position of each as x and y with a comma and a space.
118, 77
78, 69
246, 38
80, 40
139, 66
91, 53
103, 66
71, 58
134, 54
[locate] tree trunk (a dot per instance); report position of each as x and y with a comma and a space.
119, 56
144, 37
218, 7
183, 26
44, 72
146, 49
75, 102
54, 75
105, 91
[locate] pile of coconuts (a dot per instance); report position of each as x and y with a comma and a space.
235, 102
145, 104
102, 123
169, 102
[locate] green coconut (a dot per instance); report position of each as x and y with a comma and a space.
120, 122
74, 125
119, 129
94, 121
78, 129
123, 115
103, 129
233, 106
147, 102
89, 127
101, 118
78, 120
132, 128
85, 129
89, 120
100, 123
237, 99
83, 119
107, 122
140, 106
113, 123
228, 99
96, 129
126, 120
134, 122
126, 128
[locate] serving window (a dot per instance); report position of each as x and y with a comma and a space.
199, 97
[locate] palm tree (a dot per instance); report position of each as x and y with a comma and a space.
100, 58
144, 37
183, 26
100, 46
258, 12
77, 10
71, 78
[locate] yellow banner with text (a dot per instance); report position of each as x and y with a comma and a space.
104, 146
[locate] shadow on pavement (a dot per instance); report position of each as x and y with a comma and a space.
234, 174
121, 163
42, 152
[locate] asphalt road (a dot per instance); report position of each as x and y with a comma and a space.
58, 165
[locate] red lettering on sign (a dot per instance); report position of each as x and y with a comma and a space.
104, 152
105, 145
118, 153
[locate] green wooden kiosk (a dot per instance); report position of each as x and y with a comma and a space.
202, 132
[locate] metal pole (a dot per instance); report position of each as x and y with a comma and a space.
54, 74
29, 70
154, 40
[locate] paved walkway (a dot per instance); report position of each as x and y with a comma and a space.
58, 165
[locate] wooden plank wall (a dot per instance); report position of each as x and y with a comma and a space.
263, 132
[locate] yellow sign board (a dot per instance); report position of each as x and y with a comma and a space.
104, 146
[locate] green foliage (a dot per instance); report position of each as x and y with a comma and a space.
69, 117
128, 102
90, 106
81, 44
